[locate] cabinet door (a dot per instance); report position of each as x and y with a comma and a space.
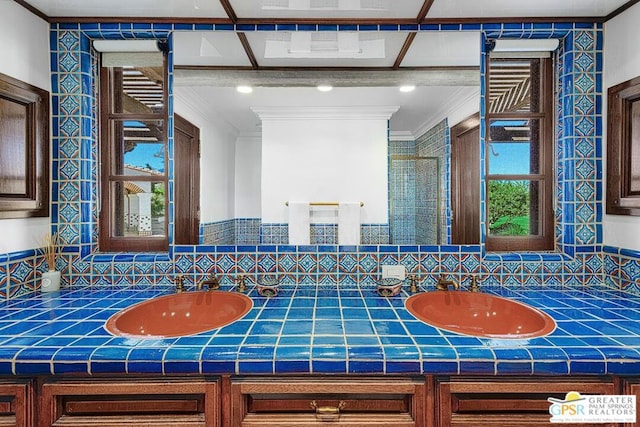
499, 402
299, 402
16, 403
130, 402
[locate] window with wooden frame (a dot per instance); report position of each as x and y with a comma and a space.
519, 153
24, 149
133, 213
623, 148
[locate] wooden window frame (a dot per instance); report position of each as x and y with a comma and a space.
621, 199
34, 202
545, 240
107, 242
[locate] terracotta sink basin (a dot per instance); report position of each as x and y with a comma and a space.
179, 314
480, 315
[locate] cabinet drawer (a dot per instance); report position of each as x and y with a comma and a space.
129, 402
307, 402
507, 402
16, 402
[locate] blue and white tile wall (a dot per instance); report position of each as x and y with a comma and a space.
430, 145
580, 258
418, 188
323, 234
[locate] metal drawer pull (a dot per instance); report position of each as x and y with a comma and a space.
328, 413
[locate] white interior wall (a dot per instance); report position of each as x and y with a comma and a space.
621, 63
25, 56
247, 177
217, 162
324, 159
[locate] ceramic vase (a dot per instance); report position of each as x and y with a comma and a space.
50, 281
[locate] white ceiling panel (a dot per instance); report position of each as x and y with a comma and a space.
329, 9
425, 104
326, 9
323, 49
520, 8
220, 48
444, 49
133, 8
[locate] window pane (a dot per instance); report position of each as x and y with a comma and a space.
513, 208
14, 134
514, 85
514, 147
138, 90
138, 208
634, 148
139, 147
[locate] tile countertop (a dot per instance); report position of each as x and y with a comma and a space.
319, 330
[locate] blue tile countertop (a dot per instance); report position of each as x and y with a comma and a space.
319, 330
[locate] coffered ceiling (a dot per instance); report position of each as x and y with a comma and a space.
443, 65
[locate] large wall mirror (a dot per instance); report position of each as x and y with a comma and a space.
364, 141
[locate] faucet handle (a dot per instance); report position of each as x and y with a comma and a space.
179, 281
240, 280
474, 287
413, 283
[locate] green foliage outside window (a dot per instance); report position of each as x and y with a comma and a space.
509, 208
157, 200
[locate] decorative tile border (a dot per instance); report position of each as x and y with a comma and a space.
20, 273
622, 269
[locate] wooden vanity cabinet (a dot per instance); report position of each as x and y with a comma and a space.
16, 403
355, 401
129, 402
467, 402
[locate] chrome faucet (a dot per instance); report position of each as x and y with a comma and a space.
240, 280
443, 284
212, 283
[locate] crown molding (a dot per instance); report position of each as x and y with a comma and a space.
326, 113
444, 112
401, 135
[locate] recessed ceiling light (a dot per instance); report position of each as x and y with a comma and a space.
244, 89
407, 88
325, 88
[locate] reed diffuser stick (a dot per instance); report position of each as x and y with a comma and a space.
50, 250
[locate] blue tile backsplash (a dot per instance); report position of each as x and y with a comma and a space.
580, 261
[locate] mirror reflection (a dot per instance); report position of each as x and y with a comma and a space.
296, 144
289, 142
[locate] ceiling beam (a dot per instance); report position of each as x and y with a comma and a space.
247, 49
425, 10
404, 50
229, 10
427, 76
32, 9
621, 9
